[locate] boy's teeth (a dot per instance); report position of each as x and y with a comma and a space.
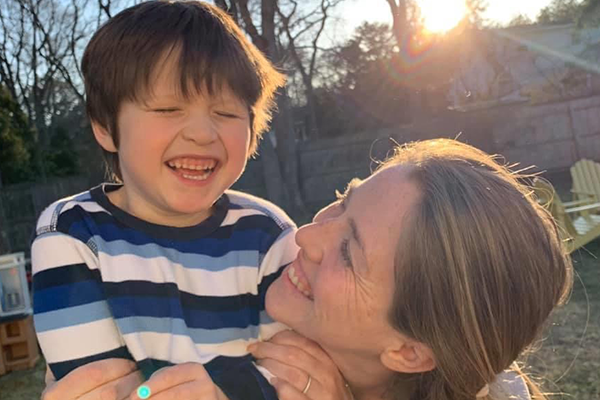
193, 165
198, 177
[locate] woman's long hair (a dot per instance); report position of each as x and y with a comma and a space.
478, 272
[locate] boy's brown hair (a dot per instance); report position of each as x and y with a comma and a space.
120, 60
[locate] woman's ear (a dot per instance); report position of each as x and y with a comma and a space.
408, 357
103, 137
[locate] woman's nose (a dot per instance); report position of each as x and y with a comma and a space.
307, 238
315, 238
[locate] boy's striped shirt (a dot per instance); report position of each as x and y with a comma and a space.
107, 284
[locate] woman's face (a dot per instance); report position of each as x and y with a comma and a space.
339, 289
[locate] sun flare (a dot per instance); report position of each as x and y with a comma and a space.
441, 16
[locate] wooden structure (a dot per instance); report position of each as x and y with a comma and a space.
18, 345
586, 178
579, 220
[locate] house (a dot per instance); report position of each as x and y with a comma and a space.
535, 64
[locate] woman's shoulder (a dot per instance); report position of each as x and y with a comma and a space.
510, 385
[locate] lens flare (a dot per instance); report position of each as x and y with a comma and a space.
441, 16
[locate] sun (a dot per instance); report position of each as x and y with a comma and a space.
442, 15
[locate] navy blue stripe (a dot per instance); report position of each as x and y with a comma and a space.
255, 232
244, 382
266, 282
124, 307
74, 285
160, 291
64, 275
59, 297
148, 366
61, 369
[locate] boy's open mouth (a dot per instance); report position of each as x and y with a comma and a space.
192, 168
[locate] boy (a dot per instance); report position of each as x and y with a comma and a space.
167, 266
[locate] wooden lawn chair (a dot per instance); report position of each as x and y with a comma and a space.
579, 222
586, 179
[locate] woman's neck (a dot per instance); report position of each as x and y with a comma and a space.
368, 379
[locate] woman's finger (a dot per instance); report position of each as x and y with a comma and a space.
326, 373
87, 378
287, 391
291, 338
119, 389
167, 379
287, 354
192, 390
292, 375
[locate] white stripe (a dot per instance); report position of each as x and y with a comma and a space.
54, 250
282, 252
267, 331
230, 282
179, 349
80, 341
233, 216
45, 219
89, 206
249, 201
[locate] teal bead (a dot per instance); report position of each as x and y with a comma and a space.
143, 392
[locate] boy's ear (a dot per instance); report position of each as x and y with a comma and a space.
408, 357
103, 137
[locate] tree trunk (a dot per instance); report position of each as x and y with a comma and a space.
282, 186
288, 157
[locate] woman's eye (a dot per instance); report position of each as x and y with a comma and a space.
345, 250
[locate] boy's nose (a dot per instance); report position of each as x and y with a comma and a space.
200, 129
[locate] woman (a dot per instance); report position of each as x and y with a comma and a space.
425, 281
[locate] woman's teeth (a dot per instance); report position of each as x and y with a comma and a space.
302, 287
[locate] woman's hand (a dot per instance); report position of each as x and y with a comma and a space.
112, 379
294, 359
188, 381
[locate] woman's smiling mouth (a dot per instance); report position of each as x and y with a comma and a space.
299, 282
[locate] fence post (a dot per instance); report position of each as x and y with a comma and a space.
5, 242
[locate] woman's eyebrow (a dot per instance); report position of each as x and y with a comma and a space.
347, 197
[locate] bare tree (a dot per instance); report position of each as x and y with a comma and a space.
296, 26
41, 43
280, 164
399, 10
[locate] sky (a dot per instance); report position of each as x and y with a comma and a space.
501, 11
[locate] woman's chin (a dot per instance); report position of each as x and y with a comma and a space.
283, 303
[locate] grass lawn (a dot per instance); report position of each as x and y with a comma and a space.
567, 358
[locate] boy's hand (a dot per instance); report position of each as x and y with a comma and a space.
112, 379
188, 381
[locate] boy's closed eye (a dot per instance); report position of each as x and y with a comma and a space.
229, 114
166, 110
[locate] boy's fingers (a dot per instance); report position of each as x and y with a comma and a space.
87, 378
